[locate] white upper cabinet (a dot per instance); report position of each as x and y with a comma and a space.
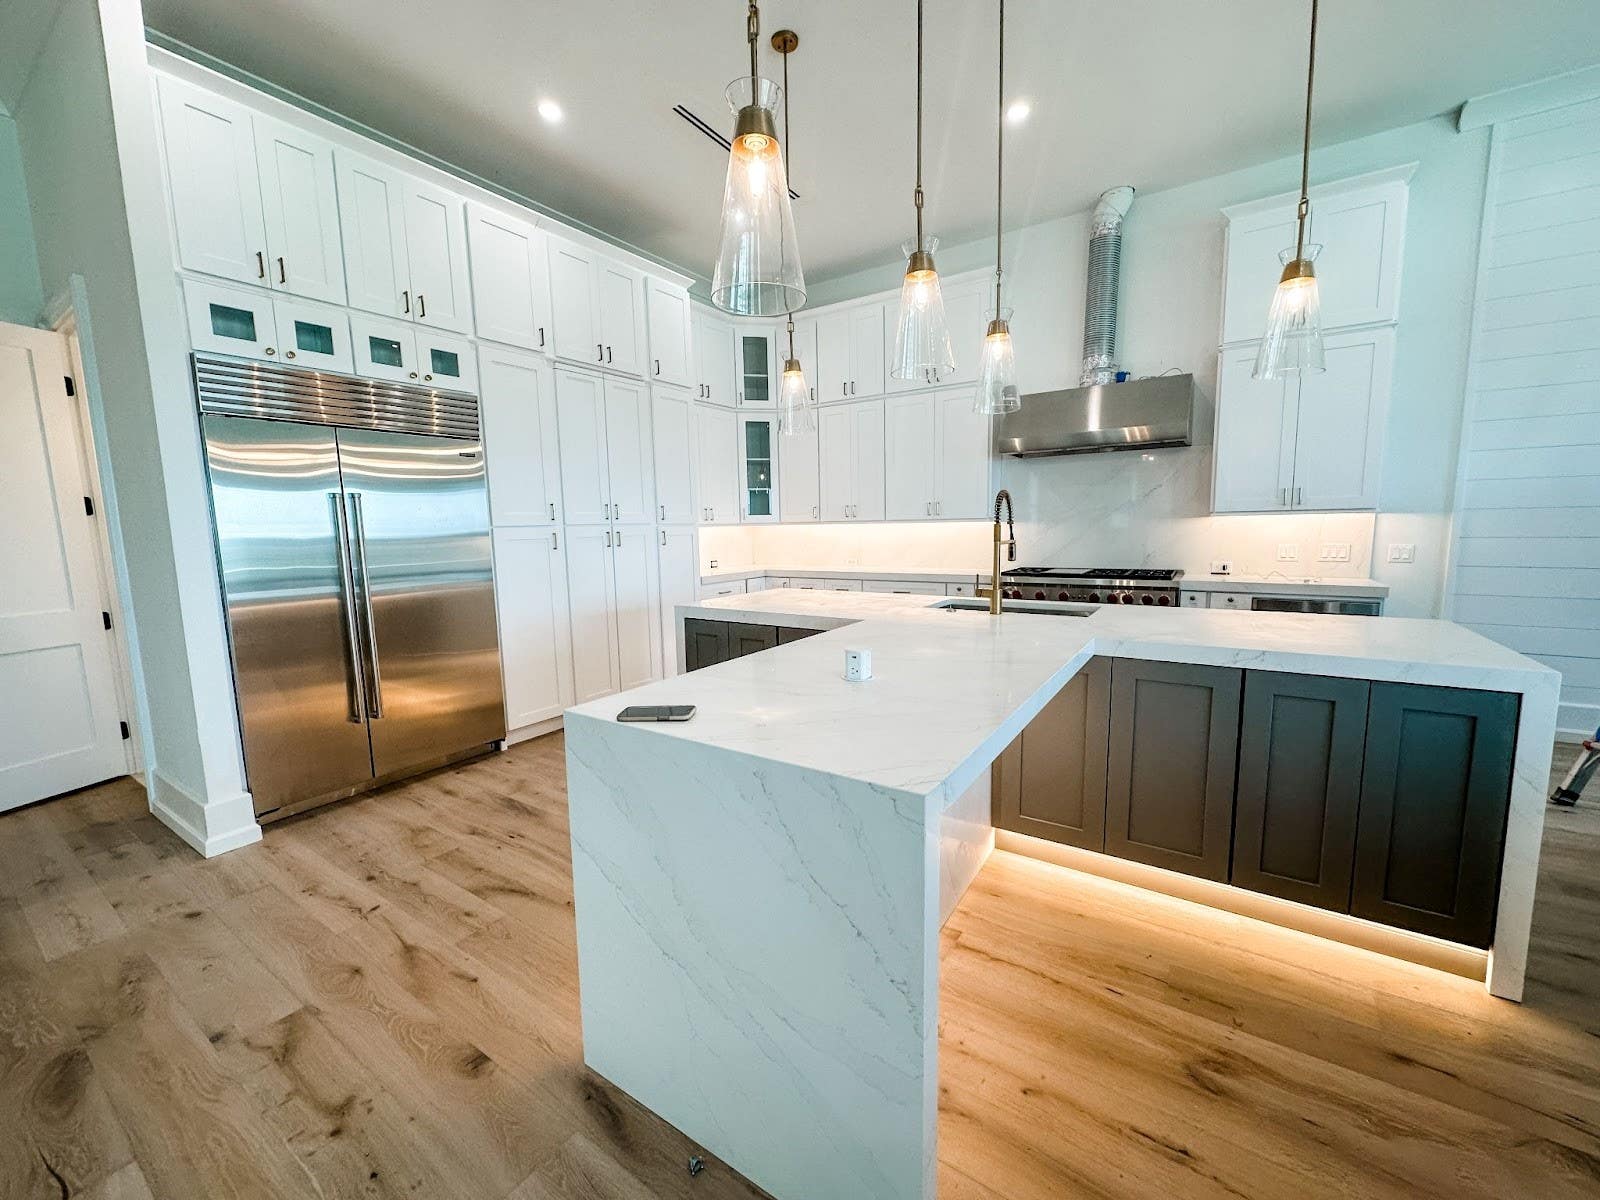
714, 354
385, 349
671, 347
630, 455
756, 367
850, 352
510, 279
850, 455
436, 245
530, 571
599, 309
313, 335
964, 449
833, 356
869, 461
519, 435
967, 309
300, 204
805, 349
936, 461
446, 362
799, 485
212, 179
866, 350
910, 429
373, 223
1310, 443
673, 414
1360, 224
581, 420
717, 465
230, 320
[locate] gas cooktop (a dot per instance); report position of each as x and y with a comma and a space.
1156, 586
1153, 574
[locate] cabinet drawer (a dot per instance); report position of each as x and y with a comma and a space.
1229, 600
1192, 599
903, 587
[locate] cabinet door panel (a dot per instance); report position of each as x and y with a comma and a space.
301, 208
1435, 790
230, 321
212, 181
705, 643
621, 313
967, 310
581, 422
799, 485
1300, 751
672, 360
713, 345
519, 435
638, 615
1052, 782
835, 455
436, 245
510, 284
630, 456
866, 350
591, 588
750, 639
311, 335
1173, 754
530, 569
833, 356
575, 311
910, 435
1254, 458
673, 415
1342, 419
963, 462
372, 225
757, 368
679, 573
868, 451
384, 349
717, 470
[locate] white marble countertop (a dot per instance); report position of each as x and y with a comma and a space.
951, 689
728, 576
1274, 584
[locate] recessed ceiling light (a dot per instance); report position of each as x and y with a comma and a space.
551, 111
1018, 112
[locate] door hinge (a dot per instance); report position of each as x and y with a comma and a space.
72, 387
88, 506
105, 618
126, 734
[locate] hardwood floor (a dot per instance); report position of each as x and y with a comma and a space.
381, 1000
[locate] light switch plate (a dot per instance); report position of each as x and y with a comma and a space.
1222, 566
1288, 552
1335, 552
713, 564
1402, 552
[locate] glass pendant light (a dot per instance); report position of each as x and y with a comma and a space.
1292, 343
997, 371
921, 340
795, 398
758, 260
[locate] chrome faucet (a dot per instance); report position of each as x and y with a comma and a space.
1002, 498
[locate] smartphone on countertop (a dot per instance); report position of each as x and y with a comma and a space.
656, 712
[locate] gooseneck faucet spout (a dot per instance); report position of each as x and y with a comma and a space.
1002, 500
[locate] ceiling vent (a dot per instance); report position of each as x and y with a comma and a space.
716, 137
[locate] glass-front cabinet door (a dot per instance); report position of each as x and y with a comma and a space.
758, 447
757, 368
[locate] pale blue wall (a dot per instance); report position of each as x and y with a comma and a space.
20, 297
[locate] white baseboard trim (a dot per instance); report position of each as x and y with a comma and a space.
209, 829
537, 729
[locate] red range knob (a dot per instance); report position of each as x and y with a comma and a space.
1125, 598
1164, 601
1147, 599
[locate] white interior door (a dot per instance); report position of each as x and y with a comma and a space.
674, 448
211, 175
1255, 437
59, 723
630, 457
530, 572
591, 591
519, 436
680, 584
301, 206
372, 224
436, 247
908, 473
581, 427
638, 616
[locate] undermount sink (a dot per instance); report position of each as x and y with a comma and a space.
1037, 607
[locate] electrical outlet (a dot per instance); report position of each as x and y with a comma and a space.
713, 564
1288, 552
1334, 552
1222, 566
1402, 552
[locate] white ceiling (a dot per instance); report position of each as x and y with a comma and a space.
1148, 92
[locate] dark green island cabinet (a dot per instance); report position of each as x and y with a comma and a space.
706, 643
1384, 800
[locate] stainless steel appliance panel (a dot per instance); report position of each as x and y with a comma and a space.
419, 522
1330, 606
275, 498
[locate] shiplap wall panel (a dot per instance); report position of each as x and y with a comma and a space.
1526, 561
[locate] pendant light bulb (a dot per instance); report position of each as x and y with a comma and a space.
997, 370
758, 271
795, 413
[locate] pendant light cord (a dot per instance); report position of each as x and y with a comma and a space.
1305, 146
917, 195
1000, 159
753, 23
788, 158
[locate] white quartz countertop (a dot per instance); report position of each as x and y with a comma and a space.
951, 689
1354, 587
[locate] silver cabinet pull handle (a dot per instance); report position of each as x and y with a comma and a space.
347, 602
930, 508
283, 276
658, 366
608, 539
599, 352
844, 389
261, 265
814, 513
619, 537
554, 544
1298, 498
422, 305
663, 537
663, 508
405, 299
608, 353
552, 510
1283, 497
541, 337
375, 692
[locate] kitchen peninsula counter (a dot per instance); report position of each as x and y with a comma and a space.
758, 890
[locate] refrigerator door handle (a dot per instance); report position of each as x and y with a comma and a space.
375, 690
347, 602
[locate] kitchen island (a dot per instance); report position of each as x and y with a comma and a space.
759, 891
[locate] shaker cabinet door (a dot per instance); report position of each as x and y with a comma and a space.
1173, 751
581, 423
301, 207
1255, 441
436, 246
1051, 781
510, 279
671, 350
372, 225
910, 433
530, 570
619, 293
575, 314
519, 435
630, 455
673, 417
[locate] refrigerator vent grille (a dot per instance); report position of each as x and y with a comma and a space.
236, 387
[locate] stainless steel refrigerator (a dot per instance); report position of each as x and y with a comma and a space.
353, 539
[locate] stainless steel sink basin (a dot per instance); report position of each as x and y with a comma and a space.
1037, 607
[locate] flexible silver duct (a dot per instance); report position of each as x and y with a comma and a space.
1100, 303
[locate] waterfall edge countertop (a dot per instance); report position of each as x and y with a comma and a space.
951, 689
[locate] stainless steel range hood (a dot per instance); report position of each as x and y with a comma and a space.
1141, 414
